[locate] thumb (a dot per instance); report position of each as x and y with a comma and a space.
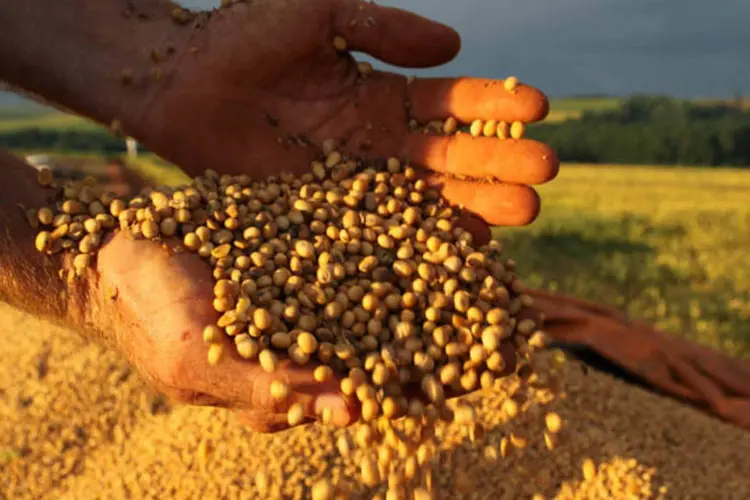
395, 36
267, 397
316, 397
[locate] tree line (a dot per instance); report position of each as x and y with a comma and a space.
643, 130
653, 130
68, 140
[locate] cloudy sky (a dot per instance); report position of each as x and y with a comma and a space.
689, 48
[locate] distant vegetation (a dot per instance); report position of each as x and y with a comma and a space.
61, 139
653, 130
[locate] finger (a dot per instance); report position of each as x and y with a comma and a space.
263, 422
469, 99
395, 36
478, 228
510, 356
244, 384
315, 397
521, 161
497, 204
533, 314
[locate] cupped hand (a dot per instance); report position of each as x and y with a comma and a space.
259, 86
156, 301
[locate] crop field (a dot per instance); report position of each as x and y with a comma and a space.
46, 121
573, 107
668, 245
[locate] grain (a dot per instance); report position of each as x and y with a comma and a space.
643, 444
296, 414
339, 43
510, 83
268, 361
476, 128
517, 130
279, 390
215, 353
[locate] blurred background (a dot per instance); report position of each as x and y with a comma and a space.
651, 212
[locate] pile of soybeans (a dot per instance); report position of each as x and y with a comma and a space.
77, 423
362, 272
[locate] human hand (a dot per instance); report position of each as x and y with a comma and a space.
260, 75
156, 303
706, 379
153, 301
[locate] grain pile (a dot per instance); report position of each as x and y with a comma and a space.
76, 423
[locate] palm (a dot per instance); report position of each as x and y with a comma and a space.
161, 305
291, 84
156, 299
265, 87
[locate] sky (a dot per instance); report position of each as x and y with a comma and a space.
685, 48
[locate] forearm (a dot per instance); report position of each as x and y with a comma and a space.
29, 279
100, 59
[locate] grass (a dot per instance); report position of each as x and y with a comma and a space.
573, 107
157, 171
668, 245
46, 121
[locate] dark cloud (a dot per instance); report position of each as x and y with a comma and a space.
681, 47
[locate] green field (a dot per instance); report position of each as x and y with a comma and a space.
668, 245
46, 121
573, 107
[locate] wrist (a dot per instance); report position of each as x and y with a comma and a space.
84, 302
31, 280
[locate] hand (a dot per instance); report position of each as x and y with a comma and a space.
156, 305
688, 372
154, 300
261, 73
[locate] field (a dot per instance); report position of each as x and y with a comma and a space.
668, 245
571, 108
45, 121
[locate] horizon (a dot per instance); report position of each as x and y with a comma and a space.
10, 100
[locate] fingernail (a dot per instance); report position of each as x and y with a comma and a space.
338, 407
